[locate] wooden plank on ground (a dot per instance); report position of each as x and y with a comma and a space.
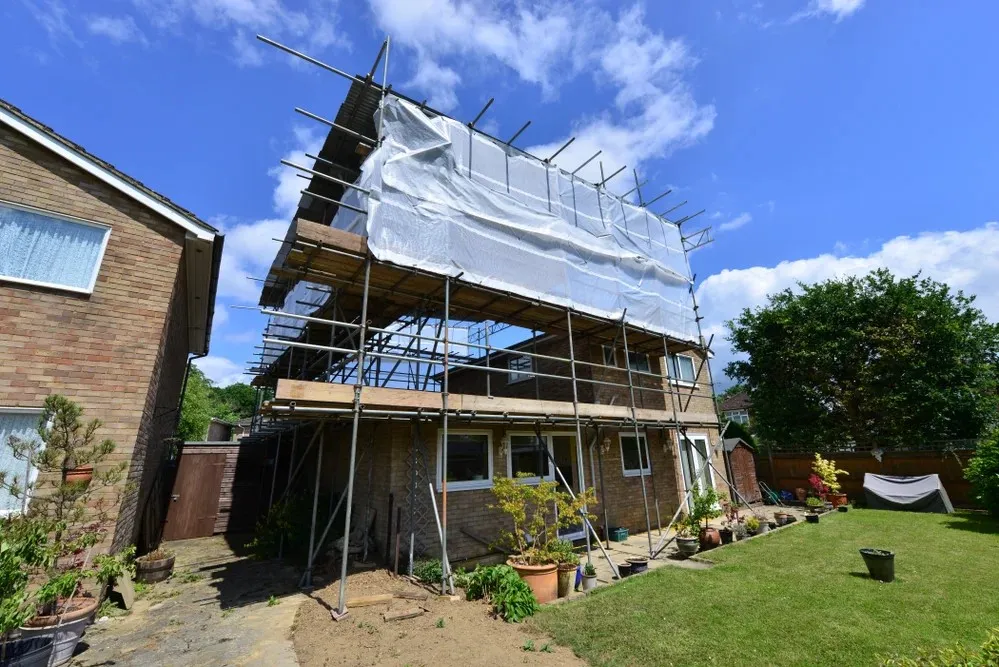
402, 614
412, 595
368, 600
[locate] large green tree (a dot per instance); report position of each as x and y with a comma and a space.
873, 361
203, 400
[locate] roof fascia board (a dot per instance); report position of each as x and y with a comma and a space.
103, 174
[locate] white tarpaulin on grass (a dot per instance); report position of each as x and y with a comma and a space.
448, 200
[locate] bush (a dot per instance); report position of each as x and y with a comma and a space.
510, 595
983, 473
428, 571
986, 656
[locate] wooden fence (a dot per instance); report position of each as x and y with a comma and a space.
790, 470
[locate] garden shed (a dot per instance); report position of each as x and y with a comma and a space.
740, 466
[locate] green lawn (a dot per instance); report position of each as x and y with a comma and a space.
800, 596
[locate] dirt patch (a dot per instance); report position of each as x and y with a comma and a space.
448, 633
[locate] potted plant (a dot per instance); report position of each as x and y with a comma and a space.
880, 564
764, 525
535, 527
687, 541
589, 577
752, 524
704, 507
567, 562
826, 470
739, 531
726, 534
25, 549
157, 565
77, 517
781, 518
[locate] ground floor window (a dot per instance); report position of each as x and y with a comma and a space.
526, 457
19, 423
630, 455
469, 460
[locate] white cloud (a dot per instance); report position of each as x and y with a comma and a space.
221, 371
654, 110
119, 29
963, 260
838, 9
735, 223
54, 17
314, 24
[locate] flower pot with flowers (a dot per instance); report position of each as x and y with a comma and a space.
828, 473
687, 542
73, 515
537, 511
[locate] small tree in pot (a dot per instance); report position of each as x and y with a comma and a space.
73, 508
537, 512
686, 536
826, 470
25, 549
704, 507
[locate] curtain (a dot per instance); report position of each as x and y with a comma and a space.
22, 425
38, 247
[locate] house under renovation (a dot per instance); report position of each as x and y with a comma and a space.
446, 308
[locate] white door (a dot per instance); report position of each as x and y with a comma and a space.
694, 450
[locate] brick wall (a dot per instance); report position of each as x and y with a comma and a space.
104, 350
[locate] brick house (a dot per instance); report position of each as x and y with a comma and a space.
736, 408
106, 289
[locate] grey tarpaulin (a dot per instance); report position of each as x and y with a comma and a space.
912, 494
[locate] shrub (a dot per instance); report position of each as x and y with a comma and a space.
429, 571
986, 656
562, 551
752, 523
827, 471
983, 473
704, 507
510, 595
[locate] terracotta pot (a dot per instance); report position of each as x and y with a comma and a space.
837, 499
543, 579
80, 475
65, 630
800, 494
151, 571
709, 538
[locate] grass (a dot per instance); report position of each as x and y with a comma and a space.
800, 596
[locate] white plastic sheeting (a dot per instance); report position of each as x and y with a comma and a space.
447, 200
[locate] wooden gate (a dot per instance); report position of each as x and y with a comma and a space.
194, 502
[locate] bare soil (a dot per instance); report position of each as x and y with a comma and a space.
469, 635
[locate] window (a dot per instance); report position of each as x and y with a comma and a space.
738, 416
630, 455
682, 368
527, 457
610, 356
53, 251
639, 361
21, 423
520, 369
469, 460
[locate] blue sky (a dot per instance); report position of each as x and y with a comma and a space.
823, 137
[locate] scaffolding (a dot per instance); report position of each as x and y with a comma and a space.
352, 337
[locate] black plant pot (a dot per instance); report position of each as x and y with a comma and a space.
624, 569
726, 535
638, 565
812, 518
28, 652
843, 508
880, 564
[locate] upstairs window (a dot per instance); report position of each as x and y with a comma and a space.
520, 369
610, 355
639, 361
49, 250
738, 416
682, 368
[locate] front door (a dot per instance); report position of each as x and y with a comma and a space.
564, 453
194, 503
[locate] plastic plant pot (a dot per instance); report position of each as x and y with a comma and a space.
624, 569
27, 652
812, 518
880, 564
843, 508
638, 565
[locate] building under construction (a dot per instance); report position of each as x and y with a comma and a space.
446, 308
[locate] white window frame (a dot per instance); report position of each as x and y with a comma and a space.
470, 484
32, 471
707, 448
675, 370
612, 363
738, 416
647, 454
518, 375
68, 218
547, 438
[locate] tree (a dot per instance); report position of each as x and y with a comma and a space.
983, 473
871, 361
203, 401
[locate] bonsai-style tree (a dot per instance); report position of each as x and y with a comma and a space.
826, 470
24, 549
73, 513
537, 512
704, 507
